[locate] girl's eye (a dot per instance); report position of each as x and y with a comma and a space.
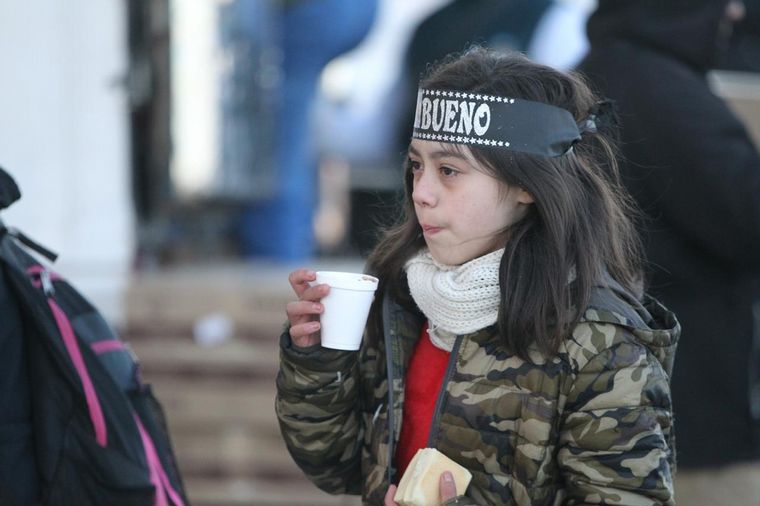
448, 171
413, 165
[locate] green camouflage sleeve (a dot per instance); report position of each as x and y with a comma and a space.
613, 439
317, 410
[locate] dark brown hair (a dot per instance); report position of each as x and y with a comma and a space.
578, 226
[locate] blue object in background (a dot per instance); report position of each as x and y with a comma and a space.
249, 86
313, 32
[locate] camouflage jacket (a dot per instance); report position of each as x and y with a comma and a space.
592, 425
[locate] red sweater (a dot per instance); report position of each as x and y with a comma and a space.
424, 379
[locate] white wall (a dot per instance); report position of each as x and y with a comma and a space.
64, 137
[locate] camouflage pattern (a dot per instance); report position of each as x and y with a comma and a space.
592, 425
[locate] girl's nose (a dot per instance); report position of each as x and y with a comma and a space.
423, 191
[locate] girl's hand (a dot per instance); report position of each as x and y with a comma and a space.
303, 314
447, 487
389, 495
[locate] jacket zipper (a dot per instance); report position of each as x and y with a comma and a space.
754, 377
442, 393
389, 367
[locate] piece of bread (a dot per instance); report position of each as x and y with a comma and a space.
420, 485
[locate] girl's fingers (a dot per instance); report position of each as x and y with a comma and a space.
302, 314
389, 496
302, 330
315, 293
447, 486
300, 279
296, 310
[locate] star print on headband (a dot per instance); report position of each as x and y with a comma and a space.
485, 120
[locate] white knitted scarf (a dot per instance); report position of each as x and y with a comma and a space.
455, 299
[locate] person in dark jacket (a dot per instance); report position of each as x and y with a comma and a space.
77, 424
18, 473
696, 175
19, 480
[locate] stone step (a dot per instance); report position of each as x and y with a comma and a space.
252, 295
234, 451
191, 404
234, 492
181, 356
219, 400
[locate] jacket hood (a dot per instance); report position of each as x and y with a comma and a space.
692, 31
648, 320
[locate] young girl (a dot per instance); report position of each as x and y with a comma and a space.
509, 330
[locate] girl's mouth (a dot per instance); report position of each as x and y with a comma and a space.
430, 230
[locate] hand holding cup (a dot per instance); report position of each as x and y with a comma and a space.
303, 314
331, 309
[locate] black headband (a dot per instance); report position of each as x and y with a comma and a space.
485, 120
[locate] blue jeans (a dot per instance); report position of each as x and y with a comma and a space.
313, 33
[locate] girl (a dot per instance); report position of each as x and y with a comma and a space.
509, 330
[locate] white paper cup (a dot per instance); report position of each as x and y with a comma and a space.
346, 308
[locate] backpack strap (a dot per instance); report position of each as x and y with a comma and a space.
29, 243
158, 475
41, 278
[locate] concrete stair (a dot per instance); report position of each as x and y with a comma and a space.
219, 400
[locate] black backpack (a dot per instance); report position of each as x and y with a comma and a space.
100, 437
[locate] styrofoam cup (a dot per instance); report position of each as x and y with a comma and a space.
346, 308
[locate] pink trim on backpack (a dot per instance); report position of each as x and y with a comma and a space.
70, 341
38, 269
75, 354
157, 474
107, 345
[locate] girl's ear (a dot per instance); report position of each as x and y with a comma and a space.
523, 197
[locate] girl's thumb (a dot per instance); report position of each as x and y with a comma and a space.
447, 486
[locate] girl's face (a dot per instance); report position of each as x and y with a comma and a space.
463, 211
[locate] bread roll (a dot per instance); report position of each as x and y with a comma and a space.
420, 485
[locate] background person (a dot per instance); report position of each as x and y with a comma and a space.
313, 32
694, 171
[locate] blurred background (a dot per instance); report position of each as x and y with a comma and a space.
182, 156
